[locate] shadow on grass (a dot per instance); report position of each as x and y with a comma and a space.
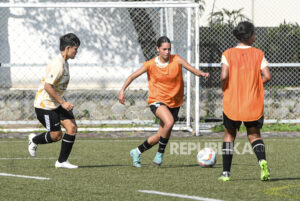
189, 165
285, 179
271, 180
244, 164
103, 166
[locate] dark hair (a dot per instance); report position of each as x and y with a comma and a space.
161, 40
69, 39
243, 31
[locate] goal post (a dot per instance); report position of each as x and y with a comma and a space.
117, 37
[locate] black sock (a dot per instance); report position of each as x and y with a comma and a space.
66, 147
162, 144
259, 149
227, 154
145, 146
43, 138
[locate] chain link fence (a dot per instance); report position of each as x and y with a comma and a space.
277, 34
114, 43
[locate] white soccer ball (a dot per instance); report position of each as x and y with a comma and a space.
206, 157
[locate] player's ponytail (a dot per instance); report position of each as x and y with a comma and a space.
243, 31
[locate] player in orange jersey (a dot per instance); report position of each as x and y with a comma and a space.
243, 96
166, 90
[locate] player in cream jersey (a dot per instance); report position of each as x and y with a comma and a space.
57, 74
51, 109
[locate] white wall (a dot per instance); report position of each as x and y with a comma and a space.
267, 13
109, 48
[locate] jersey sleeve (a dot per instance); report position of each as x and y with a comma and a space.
146, 64
264, 63
224, 60
54, 72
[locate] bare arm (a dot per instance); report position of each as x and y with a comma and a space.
132, 77
190, 68
224, 76
266, 75
49, 89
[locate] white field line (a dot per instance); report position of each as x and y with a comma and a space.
193, 140
139, 129
23, 176
177, 195
27, 158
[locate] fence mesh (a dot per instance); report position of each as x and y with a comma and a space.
277, 34
114, 43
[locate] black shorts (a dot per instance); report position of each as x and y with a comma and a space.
51, 118
174, 111
230, 124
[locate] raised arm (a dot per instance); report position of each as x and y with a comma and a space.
224, 76
190, 68
132, 77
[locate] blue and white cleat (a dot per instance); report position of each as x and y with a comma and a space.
136, 156
158, 158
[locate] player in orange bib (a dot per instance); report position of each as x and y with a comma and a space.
243, 96
166, 90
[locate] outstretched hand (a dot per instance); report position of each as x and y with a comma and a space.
121, 97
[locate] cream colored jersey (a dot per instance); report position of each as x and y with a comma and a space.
57, 74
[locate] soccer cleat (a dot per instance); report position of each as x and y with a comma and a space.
31, 145
225, 177
136, 158
65, 164
265, 174
158, 158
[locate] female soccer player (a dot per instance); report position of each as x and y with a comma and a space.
166, 89
51, 109
243, 96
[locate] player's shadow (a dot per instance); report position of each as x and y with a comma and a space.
271, 180
187, 166
102, 166
285, 179
243, 164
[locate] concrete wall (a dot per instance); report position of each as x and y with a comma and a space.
103, 105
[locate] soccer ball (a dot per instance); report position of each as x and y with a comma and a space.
206, 157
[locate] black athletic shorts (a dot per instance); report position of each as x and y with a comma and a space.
51, 118
230, 124
174, 111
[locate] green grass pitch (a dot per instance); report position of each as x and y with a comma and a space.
106, 173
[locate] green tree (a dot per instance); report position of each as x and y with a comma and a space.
227, 17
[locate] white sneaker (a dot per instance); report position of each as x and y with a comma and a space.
31, 145
65, 164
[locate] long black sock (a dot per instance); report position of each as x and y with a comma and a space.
43, 138
259, 149
162, 144
144, 146
227, 154
66, 147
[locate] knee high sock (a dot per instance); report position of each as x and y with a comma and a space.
162, 144
66, 147
43, 138
258, 147
227, 154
